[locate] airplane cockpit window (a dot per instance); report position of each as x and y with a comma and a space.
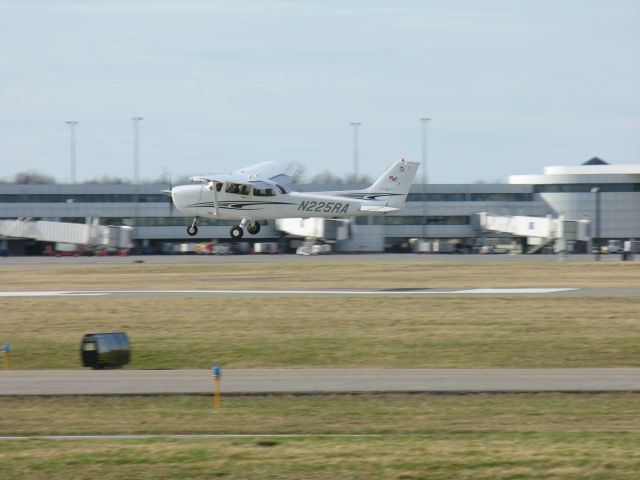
245, 189
218, 187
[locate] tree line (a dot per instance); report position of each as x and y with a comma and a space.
33, 177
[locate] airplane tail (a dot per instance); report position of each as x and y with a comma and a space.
395, 183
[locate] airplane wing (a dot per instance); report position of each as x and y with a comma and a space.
279, 172
220, 178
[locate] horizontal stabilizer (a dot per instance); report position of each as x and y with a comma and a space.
377, 209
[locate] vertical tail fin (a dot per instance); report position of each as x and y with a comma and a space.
395, 183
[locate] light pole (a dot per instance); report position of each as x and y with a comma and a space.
136, 149
596, 220
356, 159
136, 171
72, 148
423, 173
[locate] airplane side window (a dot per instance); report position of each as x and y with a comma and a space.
244, 189
233, 188
263, 192
218, 187
281, 189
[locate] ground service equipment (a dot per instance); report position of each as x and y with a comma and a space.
105, 350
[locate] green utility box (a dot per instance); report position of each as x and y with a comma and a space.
105, 350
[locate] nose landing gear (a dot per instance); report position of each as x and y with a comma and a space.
193, 228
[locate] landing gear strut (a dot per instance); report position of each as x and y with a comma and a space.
193, 228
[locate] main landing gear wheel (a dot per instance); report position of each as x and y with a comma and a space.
236, 232
254, 229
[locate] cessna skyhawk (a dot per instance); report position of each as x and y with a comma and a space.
261, 192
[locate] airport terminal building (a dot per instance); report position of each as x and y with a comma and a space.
446, 213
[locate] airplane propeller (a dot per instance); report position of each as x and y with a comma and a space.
169, 194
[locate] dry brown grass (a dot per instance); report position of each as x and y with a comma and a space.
564, 436
337, 332
483, 436
379, 274
469, 456
324, 414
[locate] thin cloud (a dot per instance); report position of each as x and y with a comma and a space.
147, 7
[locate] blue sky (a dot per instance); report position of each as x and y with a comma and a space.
511, 86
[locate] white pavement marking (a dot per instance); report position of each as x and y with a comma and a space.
493, 291
486, 291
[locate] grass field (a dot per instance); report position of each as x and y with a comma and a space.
325, 414
329, 274
574, 456
411, 436
337, 332
473, 436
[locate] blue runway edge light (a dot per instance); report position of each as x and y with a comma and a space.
6, 348
216, 370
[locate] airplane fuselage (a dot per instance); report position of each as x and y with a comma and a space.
198, 201
260, 193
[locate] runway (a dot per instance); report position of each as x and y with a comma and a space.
46, 262
395, 292
317, 381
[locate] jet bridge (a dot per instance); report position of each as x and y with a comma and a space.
327, 229
314, 229
87, 234
540, 232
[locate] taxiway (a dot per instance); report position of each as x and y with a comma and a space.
318, 381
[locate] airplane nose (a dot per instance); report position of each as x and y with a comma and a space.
180, 196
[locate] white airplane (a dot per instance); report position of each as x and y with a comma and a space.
260, 192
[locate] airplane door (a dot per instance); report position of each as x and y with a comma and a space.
203, 198
205, 202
